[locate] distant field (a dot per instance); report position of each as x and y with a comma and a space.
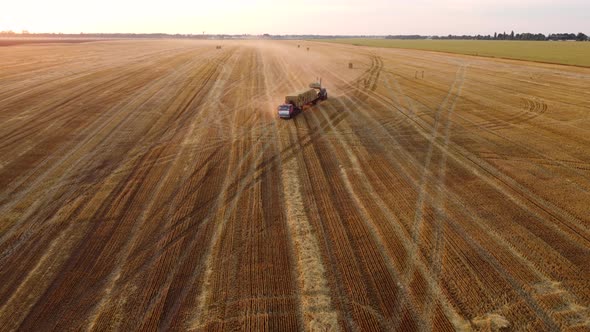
569, 53
18, 41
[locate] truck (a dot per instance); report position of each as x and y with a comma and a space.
294, 102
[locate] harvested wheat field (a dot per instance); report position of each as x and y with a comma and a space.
151, 185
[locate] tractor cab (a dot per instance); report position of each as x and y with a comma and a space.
322, 92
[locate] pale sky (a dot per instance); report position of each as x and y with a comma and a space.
338, 17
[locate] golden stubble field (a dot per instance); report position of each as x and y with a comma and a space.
150, 185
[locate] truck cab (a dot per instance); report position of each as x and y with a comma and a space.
286, 111
323, 94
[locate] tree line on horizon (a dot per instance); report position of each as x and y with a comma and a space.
497, 36
502, 36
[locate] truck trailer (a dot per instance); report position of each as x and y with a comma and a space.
294, 102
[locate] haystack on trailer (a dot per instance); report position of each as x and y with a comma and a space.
302, 98
294, 102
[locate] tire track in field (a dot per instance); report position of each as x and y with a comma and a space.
581, 165
213, 115
539, 105
532, 108
457, 320
442, 114
229, 204
84, 145
105, 79
313, 310
530, 301
305, 315
336, 243
114, 241
121, 104
436, 266
233, 188
377, 65
408, 246
81, 145
173, 165
172, 299
356, 233
555, 162
316, 302
6, 95
227, 140
395, 320
473, 124
454, 316
14, 308
126, 102
122, 197
572, 226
